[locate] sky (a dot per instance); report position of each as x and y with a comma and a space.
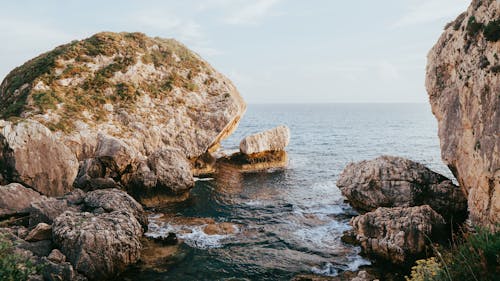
275, 51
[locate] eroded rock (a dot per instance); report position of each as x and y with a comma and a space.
42, 231
98, 245
389, 181
275, 139
32, 155
463, 82
16, 199
399, 234
48, 209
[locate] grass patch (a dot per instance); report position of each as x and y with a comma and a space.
13, 267
492, 31
473, 26
475, 257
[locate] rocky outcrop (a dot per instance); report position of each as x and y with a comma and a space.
165, 174
463, 82
32, 155
117, 100
275, 139
98, 245
389, 181
398, 234
16, 199
109, 200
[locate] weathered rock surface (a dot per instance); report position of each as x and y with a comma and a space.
115, 200
165, 173
48, 209
398, 234
463, 83
116, 99
275, 139
42, 231
16, 199
389, 181
98, 245
31, 154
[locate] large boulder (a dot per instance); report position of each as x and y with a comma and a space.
389, 181
99, 246
463, 82
16, 199
32, 155
275, 139
118, 98
399, 234
111, 200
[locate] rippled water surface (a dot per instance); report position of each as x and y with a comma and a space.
290, 221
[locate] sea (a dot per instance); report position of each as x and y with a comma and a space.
290, 221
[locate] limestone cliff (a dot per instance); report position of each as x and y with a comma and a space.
463, 83
118, 98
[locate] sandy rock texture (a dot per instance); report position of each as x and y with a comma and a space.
463, 83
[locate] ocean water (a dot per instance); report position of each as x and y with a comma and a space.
290, 221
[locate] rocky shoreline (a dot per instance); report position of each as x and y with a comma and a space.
95, 131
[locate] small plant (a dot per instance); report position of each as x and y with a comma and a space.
492, 31
476, 258
473, 27
13, 267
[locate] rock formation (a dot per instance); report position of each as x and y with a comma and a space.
398, 234
114, 102
389, 181
275, 139
98, 245
463, 83
16, 199
32, 155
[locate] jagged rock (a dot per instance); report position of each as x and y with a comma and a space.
275, 139
166, 172
42, 231
32, 155
116, 200
16, 199
100, 246
48, 209
118, 98
75, 197
398, 234
389, 181
56, 256
463, 91
59, 271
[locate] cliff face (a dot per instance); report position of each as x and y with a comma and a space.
463, 83
115, 99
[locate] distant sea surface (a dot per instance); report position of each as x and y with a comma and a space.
290, 221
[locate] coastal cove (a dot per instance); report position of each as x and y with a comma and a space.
290, 221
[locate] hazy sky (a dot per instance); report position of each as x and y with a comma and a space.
273, 50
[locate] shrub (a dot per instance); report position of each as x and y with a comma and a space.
473, 27
476, 258
492, 31
12, 266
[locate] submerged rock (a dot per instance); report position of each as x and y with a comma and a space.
399, 234
98, 245
463, 82
389, 181
32, 155
275, 139
16, 199
116, 100
254, 162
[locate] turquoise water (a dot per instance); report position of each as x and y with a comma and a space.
290, 221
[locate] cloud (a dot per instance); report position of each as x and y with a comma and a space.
425, 11
250, 12
168, 25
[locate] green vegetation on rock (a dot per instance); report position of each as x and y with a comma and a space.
82, 76
13, 267
477, 257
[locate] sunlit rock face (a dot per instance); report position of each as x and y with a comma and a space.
463, 83
113, 101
